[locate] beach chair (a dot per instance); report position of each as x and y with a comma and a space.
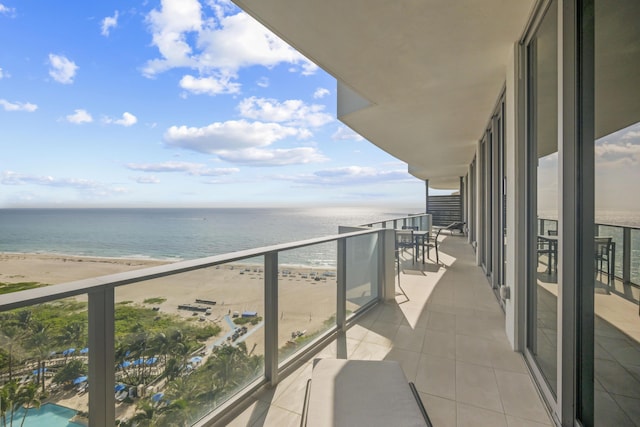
372, 393
455, 226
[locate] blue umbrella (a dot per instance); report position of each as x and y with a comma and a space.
195, 359
151, 360
125, 364
84, 350
138, 362
68, 352
41, 370
119, 387
80, 379
156, 397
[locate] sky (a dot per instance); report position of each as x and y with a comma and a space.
173, 103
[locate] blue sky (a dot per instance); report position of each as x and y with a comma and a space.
174, 102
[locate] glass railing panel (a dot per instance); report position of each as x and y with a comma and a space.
414, 221
188, 342
362, 267
550, 226
635, 256
44, 362
307, 296
616, 233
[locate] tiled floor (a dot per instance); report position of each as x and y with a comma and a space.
448, 335
617, 349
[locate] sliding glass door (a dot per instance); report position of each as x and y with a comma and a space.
543, 260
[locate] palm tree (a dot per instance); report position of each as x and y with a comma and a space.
8, 401
41, 342
232, 366
28, 396
146, 414
73, 333
13, 334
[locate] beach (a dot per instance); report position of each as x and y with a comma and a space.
306, 296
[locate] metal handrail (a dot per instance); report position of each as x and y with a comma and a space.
101, 310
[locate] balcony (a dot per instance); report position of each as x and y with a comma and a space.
442, 323
446, 329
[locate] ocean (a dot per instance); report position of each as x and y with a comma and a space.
177, 233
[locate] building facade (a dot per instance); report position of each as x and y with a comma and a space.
523, 100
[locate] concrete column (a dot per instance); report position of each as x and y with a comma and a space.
462, 202
426, 196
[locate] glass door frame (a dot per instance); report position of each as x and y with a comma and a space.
531, 263
576, 113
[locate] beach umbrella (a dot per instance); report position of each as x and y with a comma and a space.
80, 379
195, 359
151, 360
39, 371
84, 350
68, 352
119, 387
125, 364
156, 397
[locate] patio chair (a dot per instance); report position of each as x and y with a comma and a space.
405, 240
372, 393
603, 257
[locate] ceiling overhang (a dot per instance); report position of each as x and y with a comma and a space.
421, 77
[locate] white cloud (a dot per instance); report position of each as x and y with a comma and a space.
18, 106
127, 120
3, 74
344, 133
292, 112
321, 93
273, 157
617, 154
230, 135
108, 23
196, 169
4, 10
241, 41
350, 175
632, 134
217, 45
169, 27
86, 186
79, 116
209, 85
263, 82
62, 69
146, 180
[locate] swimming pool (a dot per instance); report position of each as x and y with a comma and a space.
49, 415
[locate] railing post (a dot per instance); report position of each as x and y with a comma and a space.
386, 265
626, 256
341, 308
271, 317
101, 380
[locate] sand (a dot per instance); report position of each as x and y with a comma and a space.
304, 302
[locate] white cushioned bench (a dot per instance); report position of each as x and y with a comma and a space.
351, 393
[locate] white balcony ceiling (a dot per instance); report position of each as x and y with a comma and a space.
431, 70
